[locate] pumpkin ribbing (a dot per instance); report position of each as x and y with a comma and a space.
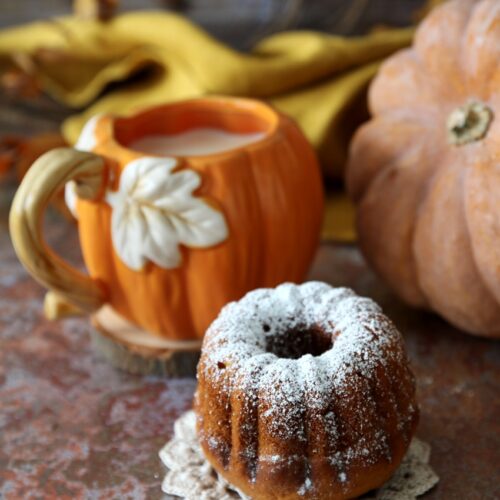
428, 210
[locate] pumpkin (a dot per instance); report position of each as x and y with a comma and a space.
424, 172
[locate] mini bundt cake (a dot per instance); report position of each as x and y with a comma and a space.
304, 392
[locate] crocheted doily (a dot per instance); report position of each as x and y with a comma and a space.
190, 476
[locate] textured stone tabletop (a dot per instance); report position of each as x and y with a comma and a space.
72, 427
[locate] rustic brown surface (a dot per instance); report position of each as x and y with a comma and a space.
73, 427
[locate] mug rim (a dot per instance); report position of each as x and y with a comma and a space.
216, 106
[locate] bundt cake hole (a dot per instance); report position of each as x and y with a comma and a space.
295, 343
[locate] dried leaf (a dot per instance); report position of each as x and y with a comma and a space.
29, 150
17, 83
19, 153
23, 79
8, 152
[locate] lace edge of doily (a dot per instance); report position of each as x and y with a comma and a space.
191, 477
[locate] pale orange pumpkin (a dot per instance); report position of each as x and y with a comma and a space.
425, 171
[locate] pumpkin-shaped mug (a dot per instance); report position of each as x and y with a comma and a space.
182, 208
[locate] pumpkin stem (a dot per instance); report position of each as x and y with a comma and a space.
469, 123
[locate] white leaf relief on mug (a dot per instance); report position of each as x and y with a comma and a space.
154, 211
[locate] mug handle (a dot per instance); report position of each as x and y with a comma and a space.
70, 291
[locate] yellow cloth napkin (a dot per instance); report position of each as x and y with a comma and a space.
318, 79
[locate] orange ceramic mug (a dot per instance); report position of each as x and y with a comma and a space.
168, 239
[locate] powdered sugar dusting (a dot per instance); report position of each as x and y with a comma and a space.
314, 403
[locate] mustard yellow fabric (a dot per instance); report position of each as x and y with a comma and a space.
318, 79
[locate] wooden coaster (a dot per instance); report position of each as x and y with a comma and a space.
137, 351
